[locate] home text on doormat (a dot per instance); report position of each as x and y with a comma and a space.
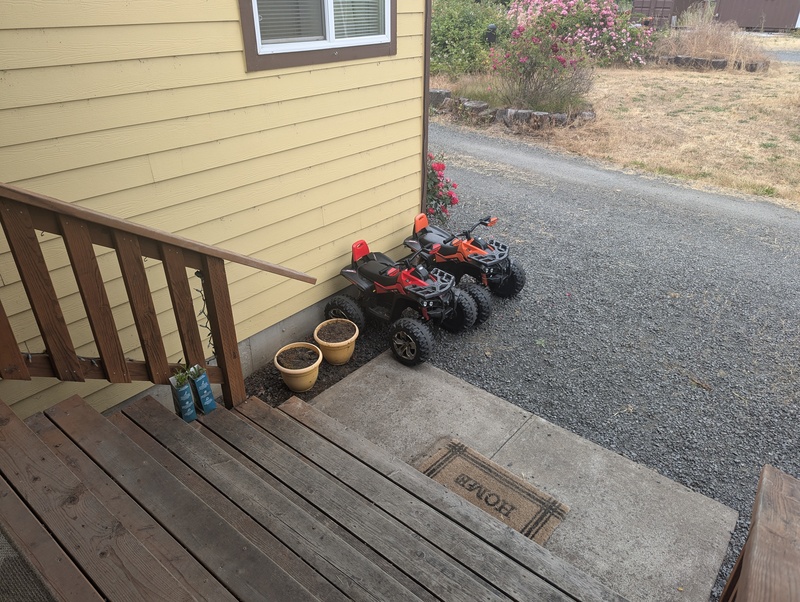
495, 490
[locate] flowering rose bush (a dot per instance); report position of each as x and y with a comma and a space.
440, 192
536, 69
546, 61
602, 32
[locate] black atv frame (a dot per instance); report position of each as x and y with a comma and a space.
492, 266
390, 290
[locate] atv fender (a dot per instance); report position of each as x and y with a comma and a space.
413, 244
354, 277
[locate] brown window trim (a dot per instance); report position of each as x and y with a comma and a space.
262, 62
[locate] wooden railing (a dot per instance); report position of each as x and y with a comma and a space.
768, 567
22, 213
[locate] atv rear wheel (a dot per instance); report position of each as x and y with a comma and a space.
411, 340
513, 283
464, 315
482, 298
344, 306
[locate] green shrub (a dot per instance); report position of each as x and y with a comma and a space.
458, 34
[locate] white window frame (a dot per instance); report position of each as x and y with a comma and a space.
330, 41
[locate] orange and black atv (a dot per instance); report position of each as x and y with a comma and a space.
487, 261
394, 291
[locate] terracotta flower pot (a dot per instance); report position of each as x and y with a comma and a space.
336, 352
299, 373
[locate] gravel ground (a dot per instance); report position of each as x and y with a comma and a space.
658, 321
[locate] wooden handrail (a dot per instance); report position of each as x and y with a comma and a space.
22, 213
153, 235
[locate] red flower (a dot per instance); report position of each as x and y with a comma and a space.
437, 167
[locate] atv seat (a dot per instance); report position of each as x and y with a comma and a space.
433, 235
429, 240
428, 235
379, 268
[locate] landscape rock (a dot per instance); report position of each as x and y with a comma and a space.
437, 97
475, 106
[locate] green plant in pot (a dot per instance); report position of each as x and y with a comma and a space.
182, 394
202, 388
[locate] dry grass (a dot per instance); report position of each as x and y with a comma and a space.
728, 129
701, 36
712, 41
780, 42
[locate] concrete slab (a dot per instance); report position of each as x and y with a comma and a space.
646, 537
405, 410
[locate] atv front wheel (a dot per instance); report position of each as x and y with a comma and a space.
344, 306
482, 298
512, 284
412, 341
464, 314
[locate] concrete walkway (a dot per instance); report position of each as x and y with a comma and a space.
646, 537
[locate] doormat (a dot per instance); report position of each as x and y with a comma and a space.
495, 490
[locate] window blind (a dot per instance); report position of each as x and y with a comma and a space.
358, 18
290, 20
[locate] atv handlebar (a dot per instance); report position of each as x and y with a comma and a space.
487, 221
407, 261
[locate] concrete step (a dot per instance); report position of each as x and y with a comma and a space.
639, 533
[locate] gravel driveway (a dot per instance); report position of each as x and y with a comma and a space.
658, 321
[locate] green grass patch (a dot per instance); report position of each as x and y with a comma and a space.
769, 145
765, 191
666, 171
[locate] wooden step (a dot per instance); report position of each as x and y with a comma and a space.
256, 503
116, 563
266, 505
423, 493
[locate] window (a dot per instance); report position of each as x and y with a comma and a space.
287, 33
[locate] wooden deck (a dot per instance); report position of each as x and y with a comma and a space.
254, 503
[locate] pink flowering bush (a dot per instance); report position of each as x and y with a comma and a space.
546, 62
598, 28
536, 69
440, 192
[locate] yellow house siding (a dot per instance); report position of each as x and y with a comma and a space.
144, 110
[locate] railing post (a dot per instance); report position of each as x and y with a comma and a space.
181, 294
134, 276
223, 330
36, 279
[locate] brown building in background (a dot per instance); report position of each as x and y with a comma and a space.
767, 15
660, 12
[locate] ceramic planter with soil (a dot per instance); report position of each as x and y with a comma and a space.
337, 339
298, 364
